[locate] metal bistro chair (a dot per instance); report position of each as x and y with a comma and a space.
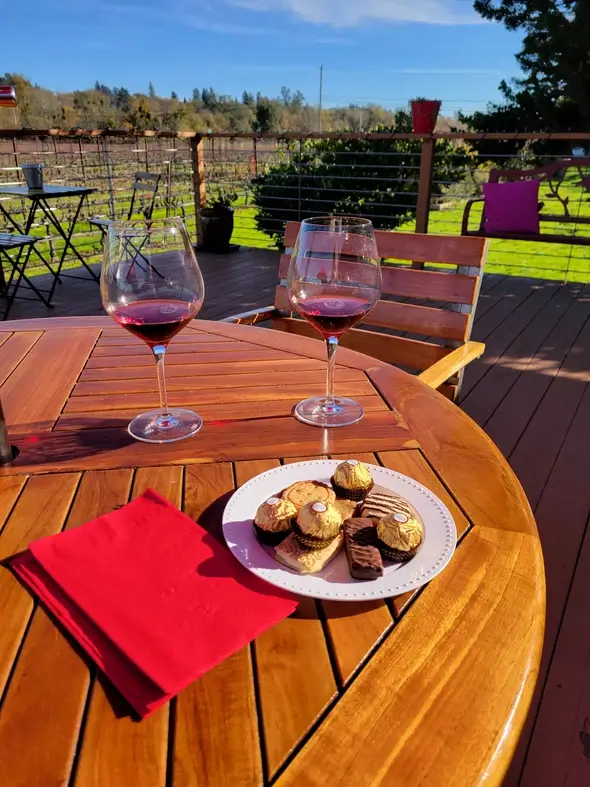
143, 181
427, 315
23, 244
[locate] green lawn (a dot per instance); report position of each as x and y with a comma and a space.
517, 258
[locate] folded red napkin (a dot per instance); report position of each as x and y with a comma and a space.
153, 598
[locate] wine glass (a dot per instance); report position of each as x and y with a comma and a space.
151, 284
334, 280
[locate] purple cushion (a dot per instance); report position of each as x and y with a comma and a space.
512, 206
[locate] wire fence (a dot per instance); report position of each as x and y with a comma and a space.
106, 164
294, 176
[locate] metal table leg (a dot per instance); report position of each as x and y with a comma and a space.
46, 208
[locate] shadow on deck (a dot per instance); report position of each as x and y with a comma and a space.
233, 283
530, 393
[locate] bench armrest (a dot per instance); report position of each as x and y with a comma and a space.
254, 316
442, 370
465, 223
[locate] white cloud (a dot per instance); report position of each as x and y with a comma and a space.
350, 13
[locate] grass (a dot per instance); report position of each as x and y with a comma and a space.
517, 258
534, 259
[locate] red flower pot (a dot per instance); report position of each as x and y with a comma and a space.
424, 115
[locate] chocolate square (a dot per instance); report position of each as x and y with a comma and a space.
364, 559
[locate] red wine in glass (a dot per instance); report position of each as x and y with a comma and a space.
152, 286
333, 315
156, 322
334, 280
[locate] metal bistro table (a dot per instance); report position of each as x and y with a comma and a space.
428, 688
39, 199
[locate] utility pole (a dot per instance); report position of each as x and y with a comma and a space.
321, 96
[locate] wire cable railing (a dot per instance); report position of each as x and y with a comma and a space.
290, 176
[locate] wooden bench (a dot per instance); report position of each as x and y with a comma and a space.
427, 315
552, 177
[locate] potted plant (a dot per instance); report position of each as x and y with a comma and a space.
217, 221
424, 115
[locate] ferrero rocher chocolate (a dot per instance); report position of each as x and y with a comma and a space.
273, 520
352, 480
400, 535
317, 524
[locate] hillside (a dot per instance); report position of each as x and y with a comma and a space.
206, 110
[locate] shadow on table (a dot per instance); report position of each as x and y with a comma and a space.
57, 448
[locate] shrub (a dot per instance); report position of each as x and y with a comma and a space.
374, 178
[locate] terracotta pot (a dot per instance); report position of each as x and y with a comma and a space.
424, 115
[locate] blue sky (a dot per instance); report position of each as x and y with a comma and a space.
383, 51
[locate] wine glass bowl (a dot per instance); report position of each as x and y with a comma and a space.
151, 285
334, 280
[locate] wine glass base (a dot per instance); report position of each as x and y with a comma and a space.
342, 412
152, 427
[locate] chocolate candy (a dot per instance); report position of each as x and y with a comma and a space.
364, 559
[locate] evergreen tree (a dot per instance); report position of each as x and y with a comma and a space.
151, 90
553, 93
267, 116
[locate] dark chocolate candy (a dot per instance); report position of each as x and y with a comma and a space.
364, 559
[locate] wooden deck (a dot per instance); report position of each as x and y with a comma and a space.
530, 392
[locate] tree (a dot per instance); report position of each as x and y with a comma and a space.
248, 98
174, 95
122, 98
286, 96
209, 98
151, 90
267, 116
320, 177
554, 92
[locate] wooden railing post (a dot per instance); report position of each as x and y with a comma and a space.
199, 186
424, 189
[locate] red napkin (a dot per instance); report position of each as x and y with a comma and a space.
153, 598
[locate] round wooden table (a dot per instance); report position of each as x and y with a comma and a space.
429, 688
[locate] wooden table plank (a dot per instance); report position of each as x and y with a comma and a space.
300, 637
413, 464
195, 398
116, 750
173, 359
40, 511
14, 349
220, 412
355, 628
139, 348
195, 381
237, 440
55, 360
295, 679
293, 365
216, 728
48, 691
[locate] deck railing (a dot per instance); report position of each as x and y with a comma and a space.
406, 170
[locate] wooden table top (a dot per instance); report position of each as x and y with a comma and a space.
428, 688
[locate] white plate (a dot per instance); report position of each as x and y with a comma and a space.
334, 581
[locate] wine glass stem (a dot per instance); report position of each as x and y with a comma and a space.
160, 353
331, 346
